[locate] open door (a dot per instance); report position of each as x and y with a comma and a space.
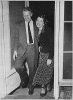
12, 13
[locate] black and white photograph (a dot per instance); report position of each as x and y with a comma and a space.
36, 49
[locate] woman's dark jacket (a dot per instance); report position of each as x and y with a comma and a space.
46, 41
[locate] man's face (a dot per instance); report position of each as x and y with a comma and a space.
27, 15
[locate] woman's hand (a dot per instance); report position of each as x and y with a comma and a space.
49, 61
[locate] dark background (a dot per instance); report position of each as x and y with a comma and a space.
43, 8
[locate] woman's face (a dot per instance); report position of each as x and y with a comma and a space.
39, 22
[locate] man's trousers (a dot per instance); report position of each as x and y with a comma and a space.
29, 57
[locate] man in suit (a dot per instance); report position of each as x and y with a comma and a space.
26, 46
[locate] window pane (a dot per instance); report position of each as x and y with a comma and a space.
67, 36
68, 11
67, 66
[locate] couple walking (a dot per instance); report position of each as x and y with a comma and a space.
31, 37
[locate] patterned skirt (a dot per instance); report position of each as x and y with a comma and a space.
43, 73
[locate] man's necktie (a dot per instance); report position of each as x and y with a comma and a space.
29, 32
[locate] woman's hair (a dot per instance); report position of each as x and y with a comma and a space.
44, 18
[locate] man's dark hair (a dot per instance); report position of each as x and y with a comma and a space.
27, 9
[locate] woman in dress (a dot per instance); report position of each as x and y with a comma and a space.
44, 71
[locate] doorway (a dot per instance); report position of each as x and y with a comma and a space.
44, 7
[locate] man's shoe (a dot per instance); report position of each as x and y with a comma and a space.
23, 85
30, 92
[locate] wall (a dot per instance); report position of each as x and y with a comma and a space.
15, 14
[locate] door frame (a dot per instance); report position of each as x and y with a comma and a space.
56, 49
2, 72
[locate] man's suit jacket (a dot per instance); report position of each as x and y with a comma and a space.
21, 40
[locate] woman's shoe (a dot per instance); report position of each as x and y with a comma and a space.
43, 94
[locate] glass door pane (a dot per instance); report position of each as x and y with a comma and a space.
68, 11
67, 36
67, 66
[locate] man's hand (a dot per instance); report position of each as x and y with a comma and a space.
49, 61
14, 55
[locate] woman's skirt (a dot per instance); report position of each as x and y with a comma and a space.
43, 73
